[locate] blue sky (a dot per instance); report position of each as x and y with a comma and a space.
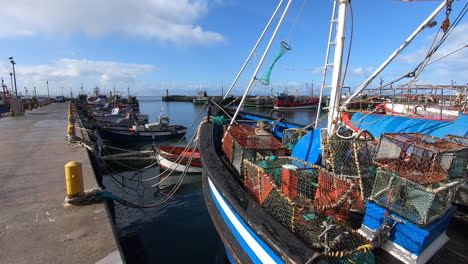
189, 45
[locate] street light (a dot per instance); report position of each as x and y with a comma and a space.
14, 74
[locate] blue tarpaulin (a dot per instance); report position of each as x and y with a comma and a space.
309, 148
378, 124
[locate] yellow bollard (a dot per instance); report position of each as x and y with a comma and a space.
74, 178
71, 130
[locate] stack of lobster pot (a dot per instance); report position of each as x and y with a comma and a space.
411, 200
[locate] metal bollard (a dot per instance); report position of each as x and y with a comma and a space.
74, 178
71, 131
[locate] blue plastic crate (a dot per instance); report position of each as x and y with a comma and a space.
409, 236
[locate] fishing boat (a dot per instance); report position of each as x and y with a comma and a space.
201, 98
121, 116
288, 102
5, 98
179, 159
147, 132
268, 207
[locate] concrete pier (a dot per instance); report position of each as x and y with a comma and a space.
35, 227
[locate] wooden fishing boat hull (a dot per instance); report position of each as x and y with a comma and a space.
297, 107
126, 134
294, 105
422, 110
200, 101
4, 109
170, 158
249, 233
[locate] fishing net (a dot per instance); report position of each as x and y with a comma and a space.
418, 203
284, 47
287, 189
243, 142
349, 155
422, 158
292, 135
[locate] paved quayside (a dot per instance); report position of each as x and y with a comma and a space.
34, 225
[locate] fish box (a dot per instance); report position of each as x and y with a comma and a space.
242, 142
418, 203
411, 240
422, 158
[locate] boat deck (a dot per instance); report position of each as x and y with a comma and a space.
35, 227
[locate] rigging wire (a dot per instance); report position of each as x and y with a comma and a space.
443, 57
413, 73
296, 19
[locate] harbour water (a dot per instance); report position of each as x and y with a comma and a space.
180, 230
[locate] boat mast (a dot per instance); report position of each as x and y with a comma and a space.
335, 95
421, 27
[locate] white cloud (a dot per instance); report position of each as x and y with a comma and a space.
70, 73
352, 71
166, 20
453, 67
361, 71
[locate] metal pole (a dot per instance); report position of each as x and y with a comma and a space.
335, 94
48, 95
252, 80
11, 82
398, 51
14, 78
254, 48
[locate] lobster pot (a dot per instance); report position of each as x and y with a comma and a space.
345, 153
293, 177
241, 142
418, 203
292, 135
285, 187
338, 194
422, 158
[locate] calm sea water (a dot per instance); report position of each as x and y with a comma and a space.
180, 230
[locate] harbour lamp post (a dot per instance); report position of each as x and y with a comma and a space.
14, 74
11, 82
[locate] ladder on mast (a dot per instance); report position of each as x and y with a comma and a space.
327, 65
337, 30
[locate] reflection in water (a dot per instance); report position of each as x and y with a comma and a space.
179, 231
